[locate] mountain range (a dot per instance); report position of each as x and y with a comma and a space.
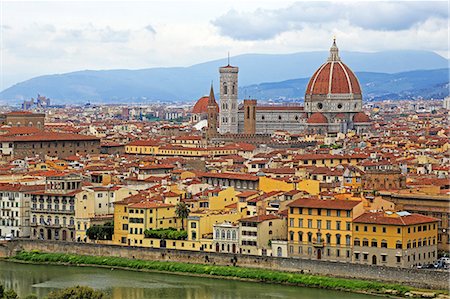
384, 74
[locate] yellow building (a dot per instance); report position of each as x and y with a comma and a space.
328, 160
142, 147
95, 205
393, 239
322, 229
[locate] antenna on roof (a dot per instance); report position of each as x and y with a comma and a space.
228, 58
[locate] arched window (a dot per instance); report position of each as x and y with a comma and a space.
233, 235
225, 88
248, 112
348, 240
383, 243
291, 235
356, 242
217, 234
71, 221
34, 219
56, 220
328, 237
300, 236
310, 237
338, 239
233, 89
228, 234
223, 234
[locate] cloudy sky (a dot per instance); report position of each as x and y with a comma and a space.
59, 36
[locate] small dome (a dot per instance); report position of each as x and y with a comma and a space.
202, 105
361, 117
317, 118
340, 116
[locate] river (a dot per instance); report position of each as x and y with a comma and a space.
121, 284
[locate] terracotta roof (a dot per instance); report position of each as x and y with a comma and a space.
259, 218
232, 175
393, 219
361, 117
150, 205
324, 204
333, 77
202, 105
49, 136
317, 118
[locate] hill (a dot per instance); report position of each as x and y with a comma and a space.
189, 83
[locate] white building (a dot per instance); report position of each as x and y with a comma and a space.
226, 237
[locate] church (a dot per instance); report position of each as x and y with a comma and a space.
333, 104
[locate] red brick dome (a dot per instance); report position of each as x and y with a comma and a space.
202, 105
361, 117
333, 77
317, 118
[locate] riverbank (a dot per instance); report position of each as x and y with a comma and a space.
227, 272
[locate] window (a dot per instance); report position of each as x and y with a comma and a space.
319, 224
374, 229
338, 213
300, 222
193, 225
309, 237
291, 235
356, 255
384, 229
365, 242
338, 225
365, 256
349, 213
398, 258
399, 230
300, 236
384, 244
383, 258
398, 245
348, 226
356, 242
338, 239
309, 211
357, 228
374, 243
291, 222
309, 223
348, 240
328, 224
365, 228
328, 212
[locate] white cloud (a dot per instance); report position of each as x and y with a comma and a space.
382, 16
55, 37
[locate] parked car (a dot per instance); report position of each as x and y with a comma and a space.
9, 237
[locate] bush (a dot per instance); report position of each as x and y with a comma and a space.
77, 292
168, 234
10, 294
31, 296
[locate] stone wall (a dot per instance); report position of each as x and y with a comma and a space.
421, 278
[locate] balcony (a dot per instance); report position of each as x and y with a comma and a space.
317, 243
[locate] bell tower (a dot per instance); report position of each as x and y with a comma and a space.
228, 116
212, 109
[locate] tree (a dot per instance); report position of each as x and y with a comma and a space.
77, 292
31, 296
182, 211
103, 232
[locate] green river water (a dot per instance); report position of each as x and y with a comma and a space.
121, 284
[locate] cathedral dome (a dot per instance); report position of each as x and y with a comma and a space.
202, 106
361, 117
333, 77
317, 118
